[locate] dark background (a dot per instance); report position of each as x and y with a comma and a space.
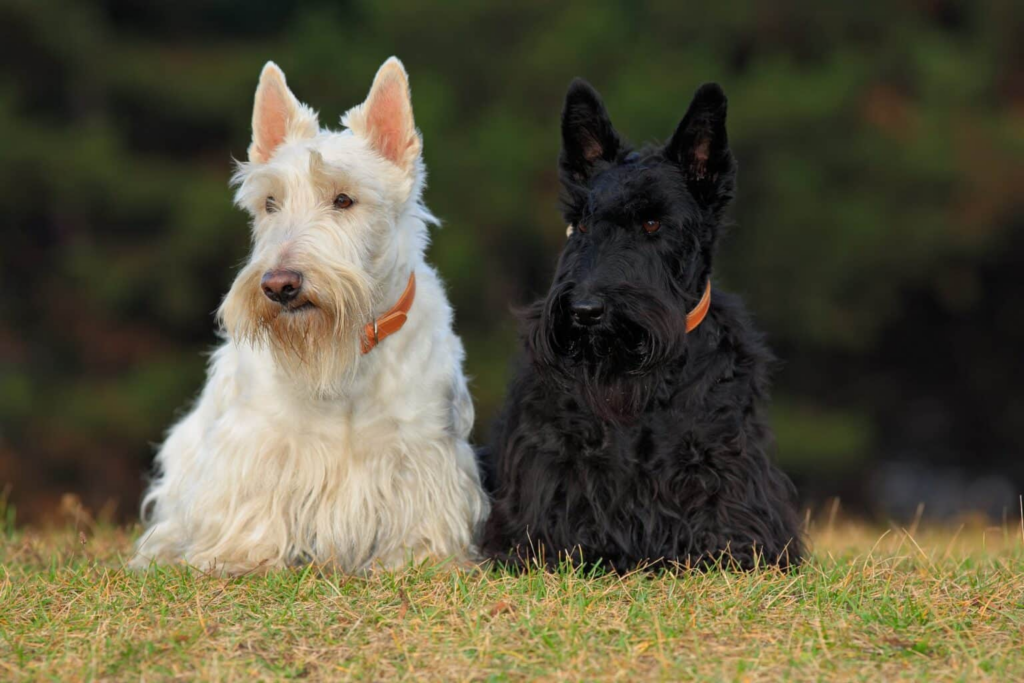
879, 233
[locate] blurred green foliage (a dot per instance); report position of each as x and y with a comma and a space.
881, 147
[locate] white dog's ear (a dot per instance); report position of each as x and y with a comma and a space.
277, 116
385, 118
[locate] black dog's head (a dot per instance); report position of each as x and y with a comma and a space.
644, 227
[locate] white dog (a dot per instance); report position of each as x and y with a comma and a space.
334, 422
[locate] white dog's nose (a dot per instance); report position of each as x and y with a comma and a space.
281, 286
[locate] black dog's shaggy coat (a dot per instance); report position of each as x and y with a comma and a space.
625, 440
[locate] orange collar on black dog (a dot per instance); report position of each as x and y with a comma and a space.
696, 316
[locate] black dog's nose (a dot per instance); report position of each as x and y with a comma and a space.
588, 311
281, 285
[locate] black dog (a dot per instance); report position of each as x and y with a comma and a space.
626, 438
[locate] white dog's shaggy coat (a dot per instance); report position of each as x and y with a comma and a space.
300, 448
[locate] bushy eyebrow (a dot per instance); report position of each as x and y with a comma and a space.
256, 181
625, 205
327, 177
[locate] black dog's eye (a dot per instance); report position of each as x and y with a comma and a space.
343, 201
652, 226
270, 206
581, 226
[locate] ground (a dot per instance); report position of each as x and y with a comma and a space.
919, 604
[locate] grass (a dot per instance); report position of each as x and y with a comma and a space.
930, 605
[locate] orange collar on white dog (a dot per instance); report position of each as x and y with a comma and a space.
392, 321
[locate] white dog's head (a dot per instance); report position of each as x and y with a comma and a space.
334, 215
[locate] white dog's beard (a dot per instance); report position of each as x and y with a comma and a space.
316, 345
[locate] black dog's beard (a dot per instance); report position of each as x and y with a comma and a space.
611, 366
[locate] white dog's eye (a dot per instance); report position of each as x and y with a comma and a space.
343, 201
270, 206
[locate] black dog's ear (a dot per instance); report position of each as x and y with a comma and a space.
588, 137
701, 147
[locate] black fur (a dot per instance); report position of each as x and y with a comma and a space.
630, 441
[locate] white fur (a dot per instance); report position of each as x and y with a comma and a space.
300, 448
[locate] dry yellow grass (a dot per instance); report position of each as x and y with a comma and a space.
933, 605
